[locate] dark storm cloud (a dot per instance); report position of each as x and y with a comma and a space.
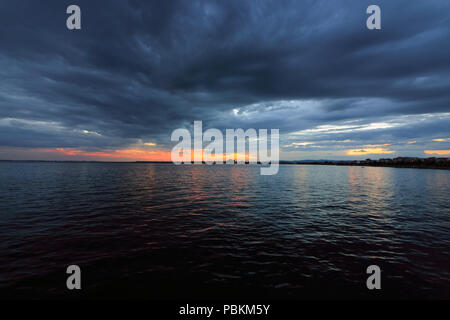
140, 69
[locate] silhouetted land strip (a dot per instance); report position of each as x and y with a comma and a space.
400, 162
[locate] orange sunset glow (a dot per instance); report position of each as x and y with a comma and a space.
134, 154
365, 151
438, 152
137, 154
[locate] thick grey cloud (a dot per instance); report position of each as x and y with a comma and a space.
140, 69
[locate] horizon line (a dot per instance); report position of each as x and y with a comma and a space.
160, 161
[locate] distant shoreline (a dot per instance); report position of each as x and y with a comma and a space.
366, 165
362, 163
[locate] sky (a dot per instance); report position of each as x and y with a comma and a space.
137, 70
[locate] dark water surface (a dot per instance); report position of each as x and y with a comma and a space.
159, 230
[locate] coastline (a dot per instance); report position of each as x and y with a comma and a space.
366, 165
372, 163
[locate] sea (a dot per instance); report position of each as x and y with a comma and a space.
161, 231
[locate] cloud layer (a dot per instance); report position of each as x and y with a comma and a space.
137, 70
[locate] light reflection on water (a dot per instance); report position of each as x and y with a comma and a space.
308, 230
